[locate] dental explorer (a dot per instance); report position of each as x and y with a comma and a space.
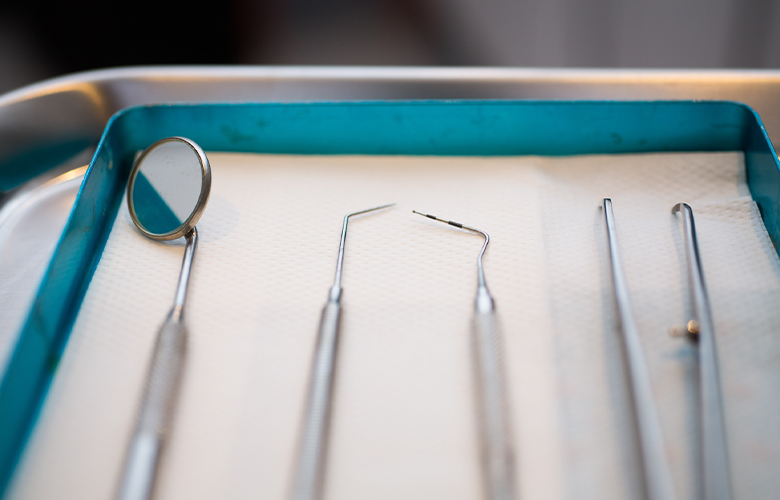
310, 468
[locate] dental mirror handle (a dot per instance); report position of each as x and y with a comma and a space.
496, 441
160, 393
312, 451
156, 410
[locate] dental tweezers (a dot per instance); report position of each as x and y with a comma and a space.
655, 463
716, 479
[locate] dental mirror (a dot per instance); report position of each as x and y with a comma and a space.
168, 189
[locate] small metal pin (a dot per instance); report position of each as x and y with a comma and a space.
690, 329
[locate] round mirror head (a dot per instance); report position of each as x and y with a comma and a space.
168, 188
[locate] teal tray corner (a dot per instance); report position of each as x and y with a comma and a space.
469, 128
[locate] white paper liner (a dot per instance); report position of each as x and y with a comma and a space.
404, 419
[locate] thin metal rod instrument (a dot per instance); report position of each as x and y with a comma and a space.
165, 201
655, 462
310, 468
495, 427
716, 479
160, 394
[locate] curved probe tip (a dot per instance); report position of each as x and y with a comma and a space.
450, 222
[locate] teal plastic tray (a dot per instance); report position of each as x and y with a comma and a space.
471, 128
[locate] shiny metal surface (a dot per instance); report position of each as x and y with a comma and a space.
165, 371
309, 478
655, 463
497, 450
79, 105
340, 259
160, 393
716, 480
31, 219
484, 299
22, 195
308, 483
184, 275
203, 198
497, 453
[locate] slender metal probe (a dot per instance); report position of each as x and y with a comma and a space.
160, 393
716, 480
655, 463
487, 347
309, 477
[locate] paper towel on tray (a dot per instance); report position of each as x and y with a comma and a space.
404, 418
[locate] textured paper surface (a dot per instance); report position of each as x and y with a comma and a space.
404, 419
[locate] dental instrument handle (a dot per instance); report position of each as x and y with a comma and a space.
157, 407
313, 447
496, 441
161, 389
497, 452
309, 478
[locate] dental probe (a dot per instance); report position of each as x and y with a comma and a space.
495, 428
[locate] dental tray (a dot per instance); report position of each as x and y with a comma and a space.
436, 130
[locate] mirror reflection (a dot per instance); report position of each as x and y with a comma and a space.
167, 183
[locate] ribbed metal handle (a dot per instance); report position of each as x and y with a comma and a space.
310, 472
496, 435
159, 399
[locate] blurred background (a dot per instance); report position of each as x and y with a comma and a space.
39, 40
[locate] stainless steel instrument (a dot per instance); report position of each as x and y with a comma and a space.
310, 468
495, 428
160, 393
716, 478
655, 463
161, 211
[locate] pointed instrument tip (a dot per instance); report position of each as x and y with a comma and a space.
381, 207
430, 216
369, 210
